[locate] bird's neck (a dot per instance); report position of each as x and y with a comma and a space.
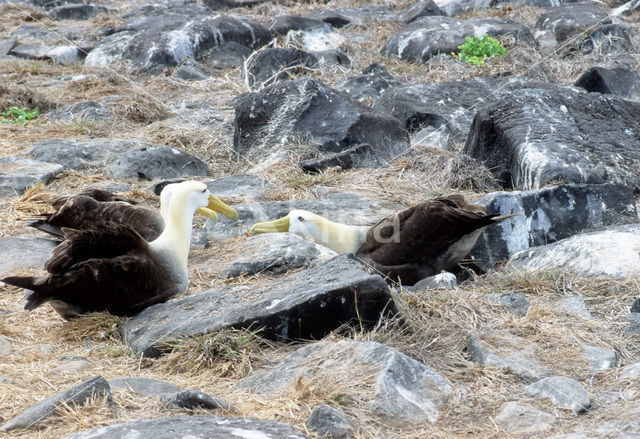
341, 238
175, 239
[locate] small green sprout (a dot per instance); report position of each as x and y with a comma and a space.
19, 116
476, 49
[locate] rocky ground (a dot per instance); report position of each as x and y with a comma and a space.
353, 110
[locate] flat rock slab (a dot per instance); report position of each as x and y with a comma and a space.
307, 304
518, 418
565, 21
92, 111
563, 392
406, 392
612, 252
450, 106
76, 395
19, 173
21, 253
536, 137
193, 427
145, 386
308, 109
548, 215
430, 36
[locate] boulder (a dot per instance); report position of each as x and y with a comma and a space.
190, 70
306, 108
536, 137
405, 391
565, 21
276, 63
193, 427
368, 86
6, 46
63, 55
75, 11
330, 422
307, 304
5, 346
616, 81
572, 305
519, 419
91, 111
19, 173
549, 215
30, 33
227, 55
430, 36
607, 253
17, 253
563, 392
283, 24
422, 8
515, 303
192, 399
361, 156
606, 39
600, 358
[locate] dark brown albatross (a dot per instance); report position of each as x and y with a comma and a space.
408, 246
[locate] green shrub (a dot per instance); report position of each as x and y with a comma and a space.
476, 49
18, 116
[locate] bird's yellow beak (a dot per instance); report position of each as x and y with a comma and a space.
216, 205
208, 212
279, 225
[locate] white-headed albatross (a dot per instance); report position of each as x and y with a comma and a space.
408, 246
116, 269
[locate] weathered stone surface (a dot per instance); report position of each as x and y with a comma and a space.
563, 392
309, 109
456, 7
91, 110
190, 70
357, 15
145, 386
330, 422
19, 253
406, 392
430, 36
239, 188
332, 57
537, 136
508, 351
631, 371
198, 427
82, 154
75, 12
317, 39
29, 32
612, 252
616, 81
515, 303
19, 173
565, 21
548, 215
152, 43
600, 358
635, 307
63, 54
422, 8
373, 81
572, 305
6, 46
444, 280
606, 39
11, 381
220, 5
5, 346
361, 156
72, 366
284, 23
227, 55
518, 418
76, 395
191, 399
627, 8
307, 304
276, 63
275, 254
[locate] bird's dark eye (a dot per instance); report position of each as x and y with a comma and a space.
204, 190
301, 219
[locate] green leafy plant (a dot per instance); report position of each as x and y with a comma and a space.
19, 116
476, 49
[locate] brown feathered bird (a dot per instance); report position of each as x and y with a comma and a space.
408, 246
115, 269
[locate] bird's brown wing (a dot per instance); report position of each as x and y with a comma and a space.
100, 195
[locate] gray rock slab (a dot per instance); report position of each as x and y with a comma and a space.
76, 395
191, 399
30, 32
506, 351
519, 418
6, 46
19, 253
406, 392
548, 215
82, 154
330, 422
565, 21
536, 137
308, 109
360, 156
276, 63
368, 86
275, 253
75, 12
304, 305
606, 39
72, 366
563, 392
19, 173
632, 371
600, 358
515, 303
92, 111
430, 36
443, 280
239, 188
5, 346
421, 8
635, 306
196, 427
611, 252
145, 386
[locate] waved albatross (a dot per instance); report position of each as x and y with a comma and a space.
408, 246
95, 209
116, 269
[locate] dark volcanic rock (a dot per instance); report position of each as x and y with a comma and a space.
405, 391
20, 253
191, 399
616, 81
75, 12
422, 8
76, 395
568, 20
330, 422
220, 5
537, 136
92, 111
283, 24
430, 36
152, 44
563, 392
307, 304
332, 57
190, 70
227, 55
515, 303
30, 32
373, 81
19, 173
606, 39
636, 306
156, 161
548, 215
361, 156
193, 427
63, 55
450, 106
307, 108
276, 63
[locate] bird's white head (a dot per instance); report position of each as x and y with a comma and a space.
197, 198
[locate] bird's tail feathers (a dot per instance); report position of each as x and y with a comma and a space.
46, 228
36, 285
